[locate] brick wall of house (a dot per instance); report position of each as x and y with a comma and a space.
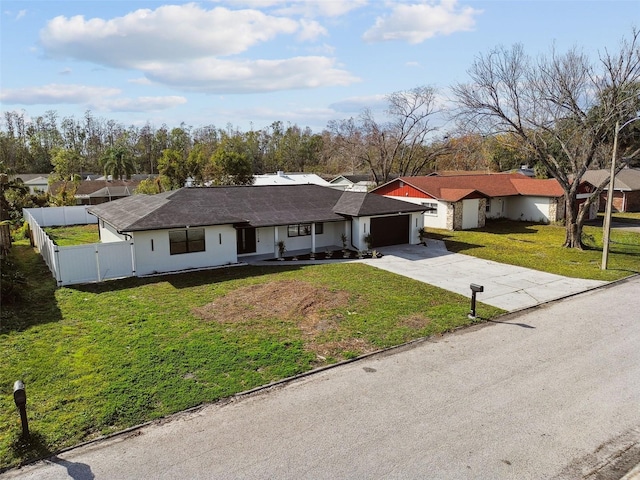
633, 201
617, 201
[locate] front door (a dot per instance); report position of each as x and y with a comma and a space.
246, 239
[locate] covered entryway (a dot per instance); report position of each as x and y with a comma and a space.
390, 230
246, 240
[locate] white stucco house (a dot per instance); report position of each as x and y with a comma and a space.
213, 226
463, 202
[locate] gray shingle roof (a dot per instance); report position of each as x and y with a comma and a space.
626, 179
257, 206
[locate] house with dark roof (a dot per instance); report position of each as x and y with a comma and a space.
626, 188
461, 202
37, 182
211, 226
94, 192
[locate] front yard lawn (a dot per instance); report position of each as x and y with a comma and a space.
102, 357
540, 247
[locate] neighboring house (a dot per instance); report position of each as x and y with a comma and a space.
353, 183
465, 201
626, 188
37, 182
211, 226
282, 178
94, 192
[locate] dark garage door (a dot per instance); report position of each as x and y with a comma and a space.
390, 230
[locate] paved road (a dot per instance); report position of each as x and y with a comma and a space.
505, 286
550, 393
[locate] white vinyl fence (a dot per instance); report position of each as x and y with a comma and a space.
81, 263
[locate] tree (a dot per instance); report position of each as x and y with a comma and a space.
397, 146
230, 165
117, 162
151, 186
562, 107
173, 166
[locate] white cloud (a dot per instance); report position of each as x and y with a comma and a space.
222, 76
305, 8
140, 104
169, 33
140, 81
65, 71
21, 14
311, 30
412, 64
358, 104
417, 22
55, 94
189, 47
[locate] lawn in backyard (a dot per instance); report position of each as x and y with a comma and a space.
73, 234
102, 357
539, 247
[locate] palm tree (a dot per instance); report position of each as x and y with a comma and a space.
117, 162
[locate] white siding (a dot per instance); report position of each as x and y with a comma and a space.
109, 234
497, 207
417, 222
528, 209
153, 256
439, 220
361, 226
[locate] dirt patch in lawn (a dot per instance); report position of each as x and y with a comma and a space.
314, 309
415, 322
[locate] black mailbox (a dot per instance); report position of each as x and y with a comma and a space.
20, 397
474, 289
19, 394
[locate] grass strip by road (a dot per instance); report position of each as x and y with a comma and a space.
540, 247
102, 357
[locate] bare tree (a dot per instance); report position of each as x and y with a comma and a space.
397, 146
563, 107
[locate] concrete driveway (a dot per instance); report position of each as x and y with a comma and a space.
505, 286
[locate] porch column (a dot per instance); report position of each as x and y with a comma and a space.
313, 238
275, 242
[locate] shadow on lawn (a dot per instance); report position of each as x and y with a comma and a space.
186, 279
32, 299
509, 227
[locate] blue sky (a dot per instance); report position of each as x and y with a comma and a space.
249, 63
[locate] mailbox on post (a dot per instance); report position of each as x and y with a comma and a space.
474, 289
20, 398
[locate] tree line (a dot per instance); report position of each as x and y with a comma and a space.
556, 112
406, 143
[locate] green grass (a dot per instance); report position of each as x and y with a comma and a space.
102, 357
540, 247
73, 235
624, 216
